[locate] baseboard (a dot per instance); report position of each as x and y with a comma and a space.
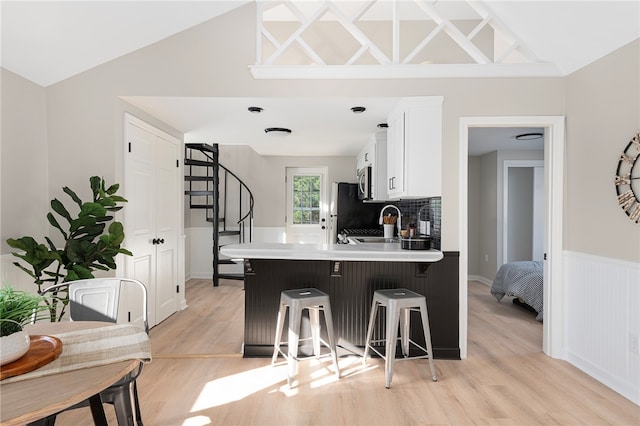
481, 279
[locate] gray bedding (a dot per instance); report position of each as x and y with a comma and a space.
522, 280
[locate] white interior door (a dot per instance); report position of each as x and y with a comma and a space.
307, 211
151, 215
168, 197
140, 211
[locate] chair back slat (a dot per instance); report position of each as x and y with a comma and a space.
94, 300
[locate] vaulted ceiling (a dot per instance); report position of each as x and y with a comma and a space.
49, 41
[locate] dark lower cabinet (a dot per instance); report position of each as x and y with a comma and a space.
350, 286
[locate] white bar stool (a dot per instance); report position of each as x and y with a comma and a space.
296, 300
399, 303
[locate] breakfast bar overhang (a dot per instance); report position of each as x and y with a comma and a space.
349, 273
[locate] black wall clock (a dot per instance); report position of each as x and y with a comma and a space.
628, 179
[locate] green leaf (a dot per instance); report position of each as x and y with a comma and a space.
59, 208
82, 221
81, 272
55, 224
73, 195
107, 202
93, 209
113, 189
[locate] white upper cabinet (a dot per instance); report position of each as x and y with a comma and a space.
414, 148
366, 156
374, 155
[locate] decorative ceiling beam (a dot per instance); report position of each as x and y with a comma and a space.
338, 72
454, 33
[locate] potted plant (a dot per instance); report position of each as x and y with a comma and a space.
89, 244
17, 308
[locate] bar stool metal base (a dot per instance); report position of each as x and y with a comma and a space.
313, 300
399, 303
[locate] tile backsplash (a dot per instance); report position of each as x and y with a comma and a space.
410, 209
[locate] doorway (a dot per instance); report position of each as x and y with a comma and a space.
523, 211
307, 205
553, 184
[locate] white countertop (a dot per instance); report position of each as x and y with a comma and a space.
381, 252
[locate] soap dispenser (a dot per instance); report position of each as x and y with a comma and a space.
424, 225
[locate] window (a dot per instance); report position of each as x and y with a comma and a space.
306, 199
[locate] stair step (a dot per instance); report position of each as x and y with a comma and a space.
238, 276
220, 220
202, 147
198, 178
198, 193
226, 262
225, 233
201, 206
190, 162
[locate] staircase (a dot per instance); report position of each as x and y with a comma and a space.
227, 201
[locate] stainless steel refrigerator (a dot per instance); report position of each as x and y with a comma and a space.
349, 213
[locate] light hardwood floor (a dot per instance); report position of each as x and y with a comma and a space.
197, 377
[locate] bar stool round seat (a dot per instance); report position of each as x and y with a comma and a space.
296, 301
399, 304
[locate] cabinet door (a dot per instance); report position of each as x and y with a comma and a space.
366, 157
395, 154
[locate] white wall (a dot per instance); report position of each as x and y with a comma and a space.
24, 171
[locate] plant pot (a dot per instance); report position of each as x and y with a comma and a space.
14, 346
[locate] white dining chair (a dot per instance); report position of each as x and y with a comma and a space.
98, 299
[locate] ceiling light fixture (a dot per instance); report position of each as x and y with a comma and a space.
277, 131
255, 109
358, 109
528, 136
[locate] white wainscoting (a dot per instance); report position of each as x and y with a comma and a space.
199, 243
602, 316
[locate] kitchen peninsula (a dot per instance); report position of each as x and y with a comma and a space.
349, 273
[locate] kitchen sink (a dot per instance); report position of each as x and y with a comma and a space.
361, 240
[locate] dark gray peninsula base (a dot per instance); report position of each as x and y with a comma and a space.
350, 285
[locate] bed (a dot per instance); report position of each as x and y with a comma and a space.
522, 280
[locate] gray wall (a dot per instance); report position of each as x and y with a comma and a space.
474, 195
520, 214
603, 114
488, 209
265, 177
485, 189
24, 167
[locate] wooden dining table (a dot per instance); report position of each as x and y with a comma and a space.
32, 399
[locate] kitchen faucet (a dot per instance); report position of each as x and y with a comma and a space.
398, 223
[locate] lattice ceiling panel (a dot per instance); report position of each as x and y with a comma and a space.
386, 38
